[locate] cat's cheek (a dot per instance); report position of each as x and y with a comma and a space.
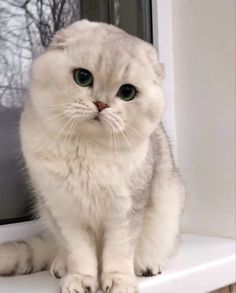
106, 126
112, 124
79, 114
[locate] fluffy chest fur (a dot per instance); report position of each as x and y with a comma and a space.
87, 180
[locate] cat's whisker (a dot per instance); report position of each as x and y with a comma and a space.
133, 129
68, 135
113, 144
51, 118
110, 141
55, 118
51, 107
125, 138
117, 142
45, 132
60, 132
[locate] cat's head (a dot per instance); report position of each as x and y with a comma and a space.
98, 82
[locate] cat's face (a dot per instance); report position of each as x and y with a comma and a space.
98, 82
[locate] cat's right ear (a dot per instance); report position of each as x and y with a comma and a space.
59, 40
63, 37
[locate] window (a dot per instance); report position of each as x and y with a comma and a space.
200, 95
133, 16
26, 28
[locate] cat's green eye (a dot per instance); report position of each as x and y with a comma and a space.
127, 92
83, 77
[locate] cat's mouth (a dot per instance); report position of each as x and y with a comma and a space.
96, 118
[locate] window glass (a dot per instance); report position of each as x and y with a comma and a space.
26, 28
134, 16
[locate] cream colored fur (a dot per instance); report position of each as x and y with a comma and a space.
108, 191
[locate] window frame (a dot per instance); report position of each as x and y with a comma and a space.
163, 42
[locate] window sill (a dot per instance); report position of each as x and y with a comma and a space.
203, 264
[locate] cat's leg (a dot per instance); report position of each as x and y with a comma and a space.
118, 256
58, 267
160, 230
77, 245
81, 261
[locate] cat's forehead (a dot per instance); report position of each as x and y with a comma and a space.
104, 43
92, 33
108, 50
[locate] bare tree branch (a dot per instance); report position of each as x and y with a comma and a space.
26, 28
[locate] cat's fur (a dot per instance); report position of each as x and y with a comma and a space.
108, 191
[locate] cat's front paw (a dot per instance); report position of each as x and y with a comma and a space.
58, 267
147, 270
78, 283
118, 283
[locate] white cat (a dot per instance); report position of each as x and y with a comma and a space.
100, 163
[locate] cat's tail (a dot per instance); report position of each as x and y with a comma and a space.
27, 256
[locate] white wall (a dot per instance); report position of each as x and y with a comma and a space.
204, 73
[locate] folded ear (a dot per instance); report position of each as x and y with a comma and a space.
158, 67
160, 71
59, 40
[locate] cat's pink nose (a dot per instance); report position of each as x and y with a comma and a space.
100, 105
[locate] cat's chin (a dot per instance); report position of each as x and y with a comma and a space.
97, 128
95, 121
96, 118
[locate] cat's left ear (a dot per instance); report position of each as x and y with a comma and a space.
157, 67
160, 71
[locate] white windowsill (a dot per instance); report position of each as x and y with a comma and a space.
202, 264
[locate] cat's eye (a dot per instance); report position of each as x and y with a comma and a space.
127, 92
83, 77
